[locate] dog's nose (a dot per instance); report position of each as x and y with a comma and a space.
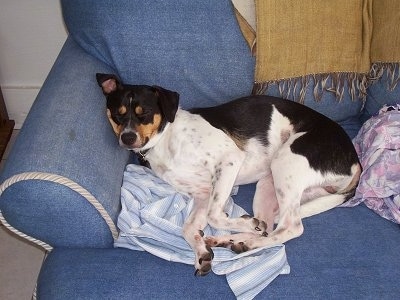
128, 138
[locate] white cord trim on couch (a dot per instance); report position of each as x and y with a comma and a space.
65, 182
40, 243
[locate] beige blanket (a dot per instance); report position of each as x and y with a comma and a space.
303, 40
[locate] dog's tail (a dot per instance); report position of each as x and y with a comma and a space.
350, 190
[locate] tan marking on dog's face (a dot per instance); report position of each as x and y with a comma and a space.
117, 128
138, 110
147, 131
122, 110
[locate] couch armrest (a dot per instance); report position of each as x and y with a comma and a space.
62, 179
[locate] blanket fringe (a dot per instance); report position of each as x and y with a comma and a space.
296, 88
337, 83
392, 72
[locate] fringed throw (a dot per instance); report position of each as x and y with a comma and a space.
392, 73
330, 44
337, 83
385, 42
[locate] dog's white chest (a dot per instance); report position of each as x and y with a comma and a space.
187, 153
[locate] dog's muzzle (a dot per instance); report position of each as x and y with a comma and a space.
131, 140
128, 138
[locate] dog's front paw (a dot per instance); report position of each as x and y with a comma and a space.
238, 243
237, 247
203, 263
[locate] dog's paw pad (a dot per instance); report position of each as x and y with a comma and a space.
259, 227
239, 247
204, 263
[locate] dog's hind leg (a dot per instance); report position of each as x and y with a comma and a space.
291, 175
265, 204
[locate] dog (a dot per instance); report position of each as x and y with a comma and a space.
302, 162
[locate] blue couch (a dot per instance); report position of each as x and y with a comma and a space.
61, 183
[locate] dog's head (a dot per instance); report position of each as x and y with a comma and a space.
137, 113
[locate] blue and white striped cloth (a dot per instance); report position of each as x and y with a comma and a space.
152, 217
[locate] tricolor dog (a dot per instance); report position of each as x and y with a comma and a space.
303, 163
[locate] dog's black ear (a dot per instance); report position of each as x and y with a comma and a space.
168, 101
108, 82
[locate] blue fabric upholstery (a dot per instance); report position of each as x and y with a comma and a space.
178, 46
381, 93
340, 256
65, 134
174, 44
196, 49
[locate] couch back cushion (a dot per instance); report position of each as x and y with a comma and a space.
195, 48
192, 47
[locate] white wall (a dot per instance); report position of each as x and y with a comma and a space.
31, 36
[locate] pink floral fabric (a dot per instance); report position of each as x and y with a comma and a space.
378, 147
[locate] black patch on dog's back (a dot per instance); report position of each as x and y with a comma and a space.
325, 144
327, 148
243, 118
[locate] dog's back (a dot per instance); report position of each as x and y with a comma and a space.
324, 143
